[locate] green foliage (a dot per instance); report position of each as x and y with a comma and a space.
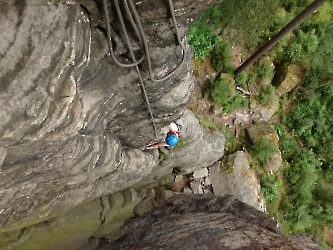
271, 185
207, 123
201, 36
308, 40
162, 156
223, 92
301, 174
220, 90
231, 144
250, 18
238, 101
221, 57
241, 78
303, 44
260, 70
265, 71
265, 93
263, 150
307, 174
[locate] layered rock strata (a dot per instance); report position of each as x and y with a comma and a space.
71, 119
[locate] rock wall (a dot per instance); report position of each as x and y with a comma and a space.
202, 221
72, 120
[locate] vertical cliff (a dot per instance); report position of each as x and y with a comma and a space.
72, 120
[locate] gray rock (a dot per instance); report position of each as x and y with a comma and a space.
267, 111
200, 173
289, 76
196, 186
178, 178
188, 190
207, 181
70, 231
234, 177
72, 120
192, 221
262, 130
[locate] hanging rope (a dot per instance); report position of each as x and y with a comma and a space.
136, 24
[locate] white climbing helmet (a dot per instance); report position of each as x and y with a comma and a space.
175, 128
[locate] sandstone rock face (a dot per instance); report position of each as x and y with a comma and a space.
71, 119
265, 112
288, 78
262, 130
81, 227
192, 221
234, 177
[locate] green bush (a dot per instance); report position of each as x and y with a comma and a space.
238, 101
264, 94
271, 185
220, 90
301, 47
265, 71
263, 150
241, 78
223, 92
202, 37
221, 57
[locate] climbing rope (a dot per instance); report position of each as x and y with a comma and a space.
136, 24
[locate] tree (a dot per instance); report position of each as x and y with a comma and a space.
289, 27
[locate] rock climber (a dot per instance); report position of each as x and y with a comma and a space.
171, 139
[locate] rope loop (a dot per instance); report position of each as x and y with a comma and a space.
134, 19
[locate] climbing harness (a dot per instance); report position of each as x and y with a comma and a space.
133, 17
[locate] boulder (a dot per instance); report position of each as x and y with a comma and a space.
204, 221
262, 130
265, 112
234, 177
288, 77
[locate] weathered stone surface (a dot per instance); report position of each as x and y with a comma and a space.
265, 112
196, 186
262, 130
201, 149
274, 163
70, 231
71, 119
234, 177
191, 221
102, 217
118, 215
288, 77
200, 173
